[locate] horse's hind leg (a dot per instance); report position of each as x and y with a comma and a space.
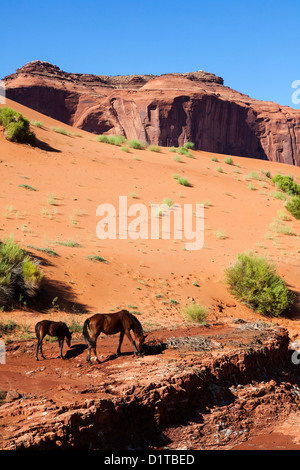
94, 348
37, 350
41, 341
120, 343
88, 357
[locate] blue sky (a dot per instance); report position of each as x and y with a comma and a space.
253, 45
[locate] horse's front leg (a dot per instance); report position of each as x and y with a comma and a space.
127, 333
120, 343
61, 343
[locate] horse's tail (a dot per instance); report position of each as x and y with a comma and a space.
37, 330
85, 333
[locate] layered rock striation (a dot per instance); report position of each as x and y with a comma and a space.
165, 110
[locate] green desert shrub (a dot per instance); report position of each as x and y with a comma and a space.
102, 138
254, 282
136, 144
183, 151
17, 127
61, 130
111, 139
19, 274
189, 145
184, 181
293, 206
37, 123
194, 312
154, 148
287, 184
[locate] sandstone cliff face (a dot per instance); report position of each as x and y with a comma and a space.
167, 110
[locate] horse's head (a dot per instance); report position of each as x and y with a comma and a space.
140, 342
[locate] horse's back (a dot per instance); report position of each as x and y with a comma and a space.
58, 328
42, 325
52, 328
111, 323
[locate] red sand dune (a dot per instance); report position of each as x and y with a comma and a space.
74, 174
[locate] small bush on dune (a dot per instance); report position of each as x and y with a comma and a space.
254, 282
116, 139
136, 144
287, 184
61, 130
189, 145
32, 277
17, 128
183, 151
111, 139
293, 206
19, 274
37, 123
195, 312
102, 138
154, 148
184, 181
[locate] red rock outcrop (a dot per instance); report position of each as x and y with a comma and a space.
167, 110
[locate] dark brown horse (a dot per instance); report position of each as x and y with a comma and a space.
111, 323
52, 328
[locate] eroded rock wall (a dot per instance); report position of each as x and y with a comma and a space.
167, 110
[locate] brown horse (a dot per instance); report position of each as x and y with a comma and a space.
111, 323
52, 328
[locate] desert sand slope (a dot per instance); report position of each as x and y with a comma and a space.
72, 175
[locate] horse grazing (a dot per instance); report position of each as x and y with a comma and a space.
111, 323
52, 328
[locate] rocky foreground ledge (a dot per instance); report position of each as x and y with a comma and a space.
209, 388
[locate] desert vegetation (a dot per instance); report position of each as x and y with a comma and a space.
287, 184
61, 130
293, 206
111, 139
20, 275
290, 188
254, 282
194, 312
17, 127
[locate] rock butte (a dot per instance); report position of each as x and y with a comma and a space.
166, 110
